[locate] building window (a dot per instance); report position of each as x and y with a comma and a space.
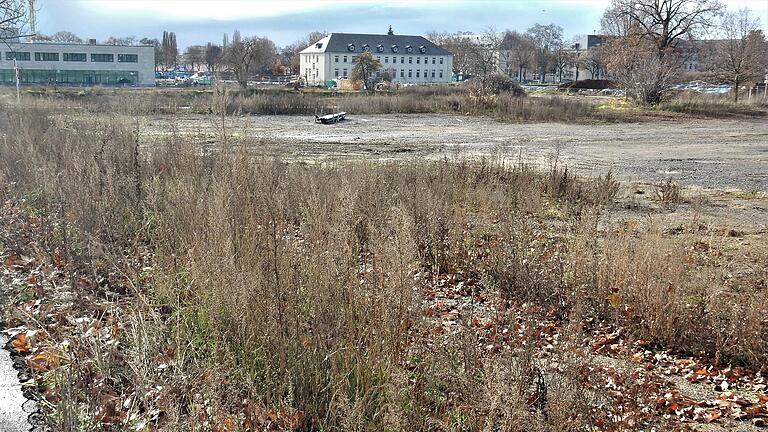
21, 56
102, 58
345, 59
344, 74
441, 60
410, 60
433, 60
410, 73
380, 48
42, 56
418, 60
336, 73
441, 74
336, 59
417, 73
402, 73
75, 57
433, 73
82, 77
127, 58
351, 47
386, 59
402, 60
394, 48
426, 72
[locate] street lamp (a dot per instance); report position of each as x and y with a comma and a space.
16, 71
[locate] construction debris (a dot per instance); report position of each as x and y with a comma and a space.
331, 118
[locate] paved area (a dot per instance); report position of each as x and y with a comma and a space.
12, 401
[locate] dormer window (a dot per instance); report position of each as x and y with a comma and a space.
366, 47
380, 48
351, 47
409, 48
394, 48
423, 49
318, 45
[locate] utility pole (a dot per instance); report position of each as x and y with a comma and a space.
16, 70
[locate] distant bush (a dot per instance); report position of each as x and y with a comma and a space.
499, 84
590, 84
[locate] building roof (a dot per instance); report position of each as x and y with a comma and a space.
52, 43
354, 43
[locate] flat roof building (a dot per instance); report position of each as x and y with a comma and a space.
49, 63
407, 59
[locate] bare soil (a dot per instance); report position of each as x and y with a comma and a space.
716, 154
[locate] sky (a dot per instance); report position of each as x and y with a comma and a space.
285, 21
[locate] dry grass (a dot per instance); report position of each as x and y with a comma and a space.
297, 288
715, 106
279, 101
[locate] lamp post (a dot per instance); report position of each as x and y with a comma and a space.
16, 71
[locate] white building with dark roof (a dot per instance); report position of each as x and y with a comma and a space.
407, 59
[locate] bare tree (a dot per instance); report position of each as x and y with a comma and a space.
169, 49
13, 19
115, 40
66, 37
657, 27
194, 56
740, 56
459, 44
482, 57
546, 38
248, 55
561, 59
520, 47
212, 55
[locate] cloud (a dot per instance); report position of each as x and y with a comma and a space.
197, 22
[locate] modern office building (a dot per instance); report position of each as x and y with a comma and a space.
407, 59
48, 63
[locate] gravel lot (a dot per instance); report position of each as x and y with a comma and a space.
718, 154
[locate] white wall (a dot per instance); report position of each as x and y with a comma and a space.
398, 62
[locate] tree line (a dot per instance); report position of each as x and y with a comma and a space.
646, 46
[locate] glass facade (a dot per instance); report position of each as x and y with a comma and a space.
103, 58
73, 77
128, 58
46, 56
75, 57
10, 55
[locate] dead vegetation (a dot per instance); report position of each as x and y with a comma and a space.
169, 289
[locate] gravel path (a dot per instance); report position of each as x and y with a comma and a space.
13, 418
707, 153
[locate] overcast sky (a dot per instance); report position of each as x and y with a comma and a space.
284, 21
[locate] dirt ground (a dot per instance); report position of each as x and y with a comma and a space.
716, 154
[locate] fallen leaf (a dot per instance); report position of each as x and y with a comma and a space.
21, 343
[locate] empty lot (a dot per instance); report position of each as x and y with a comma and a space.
720, 154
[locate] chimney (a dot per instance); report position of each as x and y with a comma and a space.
91, 41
